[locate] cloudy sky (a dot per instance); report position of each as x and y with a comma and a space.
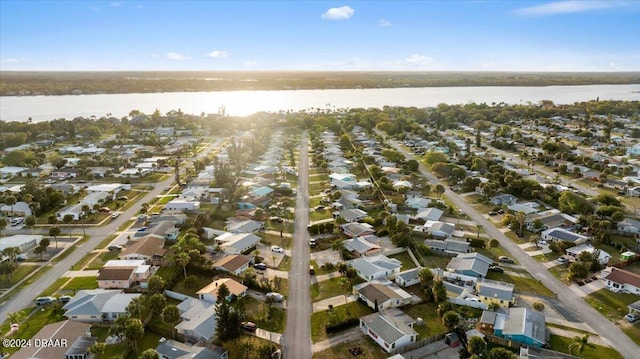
321, 35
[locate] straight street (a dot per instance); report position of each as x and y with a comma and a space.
608, 331
297, 334
96, 235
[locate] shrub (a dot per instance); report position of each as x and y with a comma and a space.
538, 306
349, 322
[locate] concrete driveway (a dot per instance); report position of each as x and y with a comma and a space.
326, 256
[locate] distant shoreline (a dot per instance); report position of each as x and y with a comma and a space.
33, 83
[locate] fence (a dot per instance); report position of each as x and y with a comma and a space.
503, 342
418, 344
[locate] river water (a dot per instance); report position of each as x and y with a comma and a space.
240, 103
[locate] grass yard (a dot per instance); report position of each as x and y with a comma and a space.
266, 317
20, 273
181, 288
246, 346
316, 201
82, 283
429, 313
370, 350
327, 289
33, 324
100, 261
316, 188
274, 239
55, 287
319, 215
319, 320
84, 261
405, 258
592, 351
523, 284
611, 305
285, 264
632, 331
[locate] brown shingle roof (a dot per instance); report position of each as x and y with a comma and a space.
116, 273
147, 246
622, 276
378, 292
232, 262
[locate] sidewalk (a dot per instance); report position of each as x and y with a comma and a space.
81, 273
270, 336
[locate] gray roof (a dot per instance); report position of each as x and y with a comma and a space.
247, 226
527, 322
352, 214
81, 345
199, 319
386, 328
98, 301
449, 245
495, 289
564, 235
447, 228
433, 214
359, 245
177, 350
488, 317
369, 266
470, 262
409, 275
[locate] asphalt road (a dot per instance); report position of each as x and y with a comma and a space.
297, 334
96, 235
607, 330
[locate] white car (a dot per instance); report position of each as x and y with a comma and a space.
277, 297
542, 242
115, 214
277, 249
472, 299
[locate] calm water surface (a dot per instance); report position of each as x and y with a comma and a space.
240, 103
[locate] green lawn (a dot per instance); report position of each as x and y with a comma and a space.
55, 287
266, 317
611, 305
327, 289
285, 264
82, 283
405, 258
370, 350
33, 324
273, 239
181, 288
523, 284
84, 261
432, 322
100, 261
319, 320
592, 351
20, 273
246, 346
320, 215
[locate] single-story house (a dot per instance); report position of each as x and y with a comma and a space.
67, 332
11, 171
21, 241
98, 305
74, 210
359, 246
550, 219
408, 277
429, 214
94, 198
440, 229
561, 234
449, 245
628, 226
472, 264
116, 277
178, 204
247, 226
199, 320
522, 325
603, 257
621, 280
149, 248
526, 207
237, 243
492, 291
18, 209
353, 215
417, 202
210, 292
387, 332
357, 229
171, 349
235, 264
375, 267
381, 294
505, 198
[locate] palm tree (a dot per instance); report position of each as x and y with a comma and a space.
439, 190
171, 316
345, 284
15, 317
579, 344
55, 232
183, 259
11, 200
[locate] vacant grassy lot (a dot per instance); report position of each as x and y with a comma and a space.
327, 289
320, 215
80, 283
592, 351
266, 317
22, 271
523, 284
405, 258
319, 320
103, 258
370, 350
432, 322
611, 305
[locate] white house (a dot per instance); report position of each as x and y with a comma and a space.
235, 264
11, 171
375, 267
561, 234
237, 243
21, 241
75, 210
603, 257
182, 205
628, 226
381, 294
210, 292
620, 280
18, 209
98, 305
387, 332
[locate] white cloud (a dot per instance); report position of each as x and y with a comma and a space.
568, 7
338, 13
418, 59
115, 4
384, 23
174, 56
11, 60
217, 54
613, 66
251, 63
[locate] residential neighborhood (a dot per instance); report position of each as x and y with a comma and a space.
191, 236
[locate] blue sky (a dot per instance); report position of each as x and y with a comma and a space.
321, 35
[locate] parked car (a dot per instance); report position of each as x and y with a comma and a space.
312, 242
123, 198
493, 213
115, 214
42, 301
277, 297
250, 326
472, 299
260, 266
505, 259
563, 259
631, 317
64, 299
277, 249
114, 247
496, 269
142, 229
104, 209
16, 221
142, 216
276, 219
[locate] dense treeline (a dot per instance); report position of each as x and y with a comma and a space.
63, 83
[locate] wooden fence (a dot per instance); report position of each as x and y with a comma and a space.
418, 344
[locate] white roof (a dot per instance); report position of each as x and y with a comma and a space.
18, 240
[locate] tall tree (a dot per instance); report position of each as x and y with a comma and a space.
345, 284
171, 316
223, 312
450, 320
501, 353
426, 281
55, 232
134, 331
439, 291
579, 344
476, 346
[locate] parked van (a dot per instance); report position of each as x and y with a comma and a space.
312, 270
41, 301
